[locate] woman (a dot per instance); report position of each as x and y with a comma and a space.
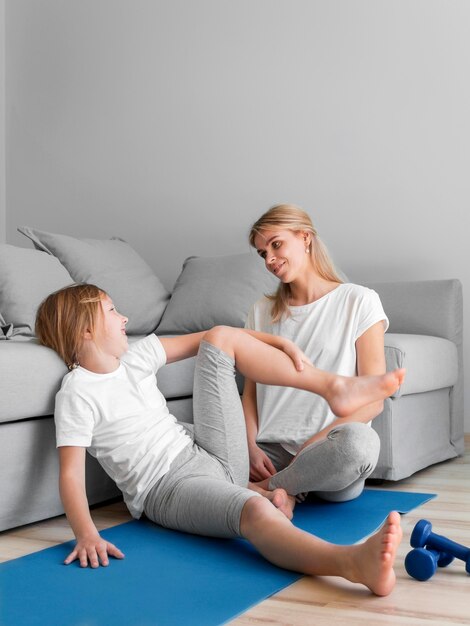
340, 327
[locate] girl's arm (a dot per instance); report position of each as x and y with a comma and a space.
182, 347
261, 466
90, 547
185, 346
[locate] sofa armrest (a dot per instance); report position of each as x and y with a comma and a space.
430, 307
426, 307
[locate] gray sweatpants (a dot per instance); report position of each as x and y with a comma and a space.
204, 490
334, 468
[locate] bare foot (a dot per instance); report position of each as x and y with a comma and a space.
279, 498
282, 501
372, 561
347, 394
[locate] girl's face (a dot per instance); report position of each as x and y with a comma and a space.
284, 253
110, 332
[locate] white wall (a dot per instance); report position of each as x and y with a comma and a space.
2, 124
175, 123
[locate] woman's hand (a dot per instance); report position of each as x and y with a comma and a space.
261, 466
93, 550
296, 354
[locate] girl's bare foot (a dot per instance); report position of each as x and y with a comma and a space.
347, 394
372, 561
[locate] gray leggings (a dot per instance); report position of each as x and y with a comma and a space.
335, 468
204, 491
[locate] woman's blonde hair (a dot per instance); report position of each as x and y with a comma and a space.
293, 218
65, 315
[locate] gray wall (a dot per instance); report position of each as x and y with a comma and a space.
2, 123
174, 124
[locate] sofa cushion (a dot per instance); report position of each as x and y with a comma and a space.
431, 362
31, 376
215, 290
26, 278
26, 365
113, 265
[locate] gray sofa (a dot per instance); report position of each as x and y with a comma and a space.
421, 425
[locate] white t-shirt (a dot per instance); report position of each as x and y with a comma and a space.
326, 330
123, 420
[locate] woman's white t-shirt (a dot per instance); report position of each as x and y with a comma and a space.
123, 420
326, 330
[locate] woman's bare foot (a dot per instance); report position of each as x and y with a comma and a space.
278, 497
283, 501
372, 561
347, 394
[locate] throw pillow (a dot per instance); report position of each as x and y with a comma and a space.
215, 290
114, 266
26, 278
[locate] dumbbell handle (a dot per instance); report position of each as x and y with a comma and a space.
438, 542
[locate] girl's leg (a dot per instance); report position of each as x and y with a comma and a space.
219, 422
195, 496
262, 363
369, 563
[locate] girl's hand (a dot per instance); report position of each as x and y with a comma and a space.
296, 354
94, 550
261, 466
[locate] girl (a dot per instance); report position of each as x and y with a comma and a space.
340, 327
109, 403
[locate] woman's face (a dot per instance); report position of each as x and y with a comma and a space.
284, 253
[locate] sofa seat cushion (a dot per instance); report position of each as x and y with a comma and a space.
430, 362
31, 374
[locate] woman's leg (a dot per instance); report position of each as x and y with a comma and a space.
369, 563
267, 365
219, 423
334, 468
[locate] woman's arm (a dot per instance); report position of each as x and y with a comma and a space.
90, 546
281, 343
261, 466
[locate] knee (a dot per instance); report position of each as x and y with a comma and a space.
256, 513
359, 443
222, 337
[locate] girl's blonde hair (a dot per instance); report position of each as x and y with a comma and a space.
291, 217
65, 315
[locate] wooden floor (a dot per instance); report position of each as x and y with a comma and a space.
444, 599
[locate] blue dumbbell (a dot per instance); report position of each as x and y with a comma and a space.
422, 536
421, 563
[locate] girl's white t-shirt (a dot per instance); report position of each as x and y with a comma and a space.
326, 330
123, 420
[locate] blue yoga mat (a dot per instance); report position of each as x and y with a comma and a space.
173, 579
